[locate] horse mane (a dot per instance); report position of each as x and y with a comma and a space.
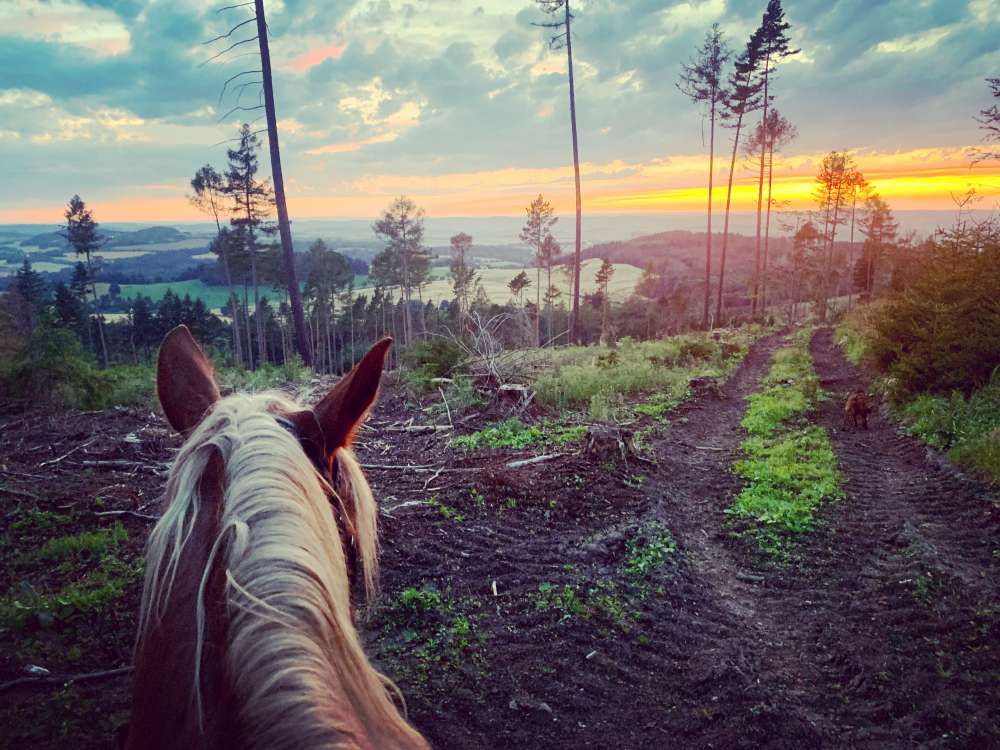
293, 657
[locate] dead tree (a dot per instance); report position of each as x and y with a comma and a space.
284, 227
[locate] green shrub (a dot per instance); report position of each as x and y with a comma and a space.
130, 385
265, 377
942, 332
53, 370
648, 550
420, 600
513, 434
599, 380
968, 428
434, 357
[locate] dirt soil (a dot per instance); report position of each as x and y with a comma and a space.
580, 602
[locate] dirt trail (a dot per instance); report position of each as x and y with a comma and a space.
525, 627
882, 630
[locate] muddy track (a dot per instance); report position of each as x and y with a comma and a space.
914, 579
881, 631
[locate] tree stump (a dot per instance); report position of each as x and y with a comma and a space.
610, 443
705, 385
514, 394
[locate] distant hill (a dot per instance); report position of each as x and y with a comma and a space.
115, 238
681, 254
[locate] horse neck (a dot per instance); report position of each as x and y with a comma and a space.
164, 710
278, 646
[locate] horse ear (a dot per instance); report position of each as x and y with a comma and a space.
185, 383
345, 406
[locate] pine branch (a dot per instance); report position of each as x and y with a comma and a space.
230, 7
231, 46
233, 78
239, 108
230, 32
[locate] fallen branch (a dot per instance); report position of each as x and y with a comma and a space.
143, 516
406, 504
65, 679
432, 477
66, 455
536, 460
446, 407
121, 463
19, 475
417, 467
709, 448
418, 428
19, 493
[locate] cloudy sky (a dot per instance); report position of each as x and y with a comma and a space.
461, 104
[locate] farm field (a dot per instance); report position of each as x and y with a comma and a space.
494, 281
579, 602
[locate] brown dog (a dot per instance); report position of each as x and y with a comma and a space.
858, 408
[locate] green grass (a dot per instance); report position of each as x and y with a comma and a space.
87, 543
648, 550
214, 297
419, 600
93, 591
967, 427
431, 637
850, 335
790, 467
513, 434
265, 377
599, 380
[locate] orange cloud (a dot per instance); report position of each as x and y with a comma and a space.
916, 179
315, 56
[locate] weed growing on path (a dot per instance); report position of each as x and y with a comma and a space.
513, 434
790, 466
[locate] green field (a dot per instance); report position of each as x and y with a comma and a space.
214, 297
494, 281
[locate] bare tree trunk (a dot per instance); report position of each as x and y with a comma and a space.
767, 229
760, 191
708, 238
850, 252
284, 227
574, 328
352, 332
828, 286
538, 299
246, 315
548, 293
97, 313
407, 313
261, 341
725, 230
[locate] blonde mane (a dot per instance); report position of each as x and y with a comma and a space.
293, 659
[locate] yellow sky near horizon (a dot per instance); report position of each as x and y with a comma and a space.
926, 178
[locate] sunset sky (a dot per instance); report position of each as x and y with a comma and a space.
460, 103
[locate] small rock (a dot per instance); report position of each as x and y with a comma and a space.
34, 669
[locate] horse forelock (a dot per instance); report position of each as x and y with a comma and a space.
293, 657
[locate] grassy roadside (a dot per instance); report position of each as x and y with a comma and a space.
636, 382
789, 465
966, 427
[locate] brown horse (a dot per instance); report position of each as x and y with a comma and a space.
246, 637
